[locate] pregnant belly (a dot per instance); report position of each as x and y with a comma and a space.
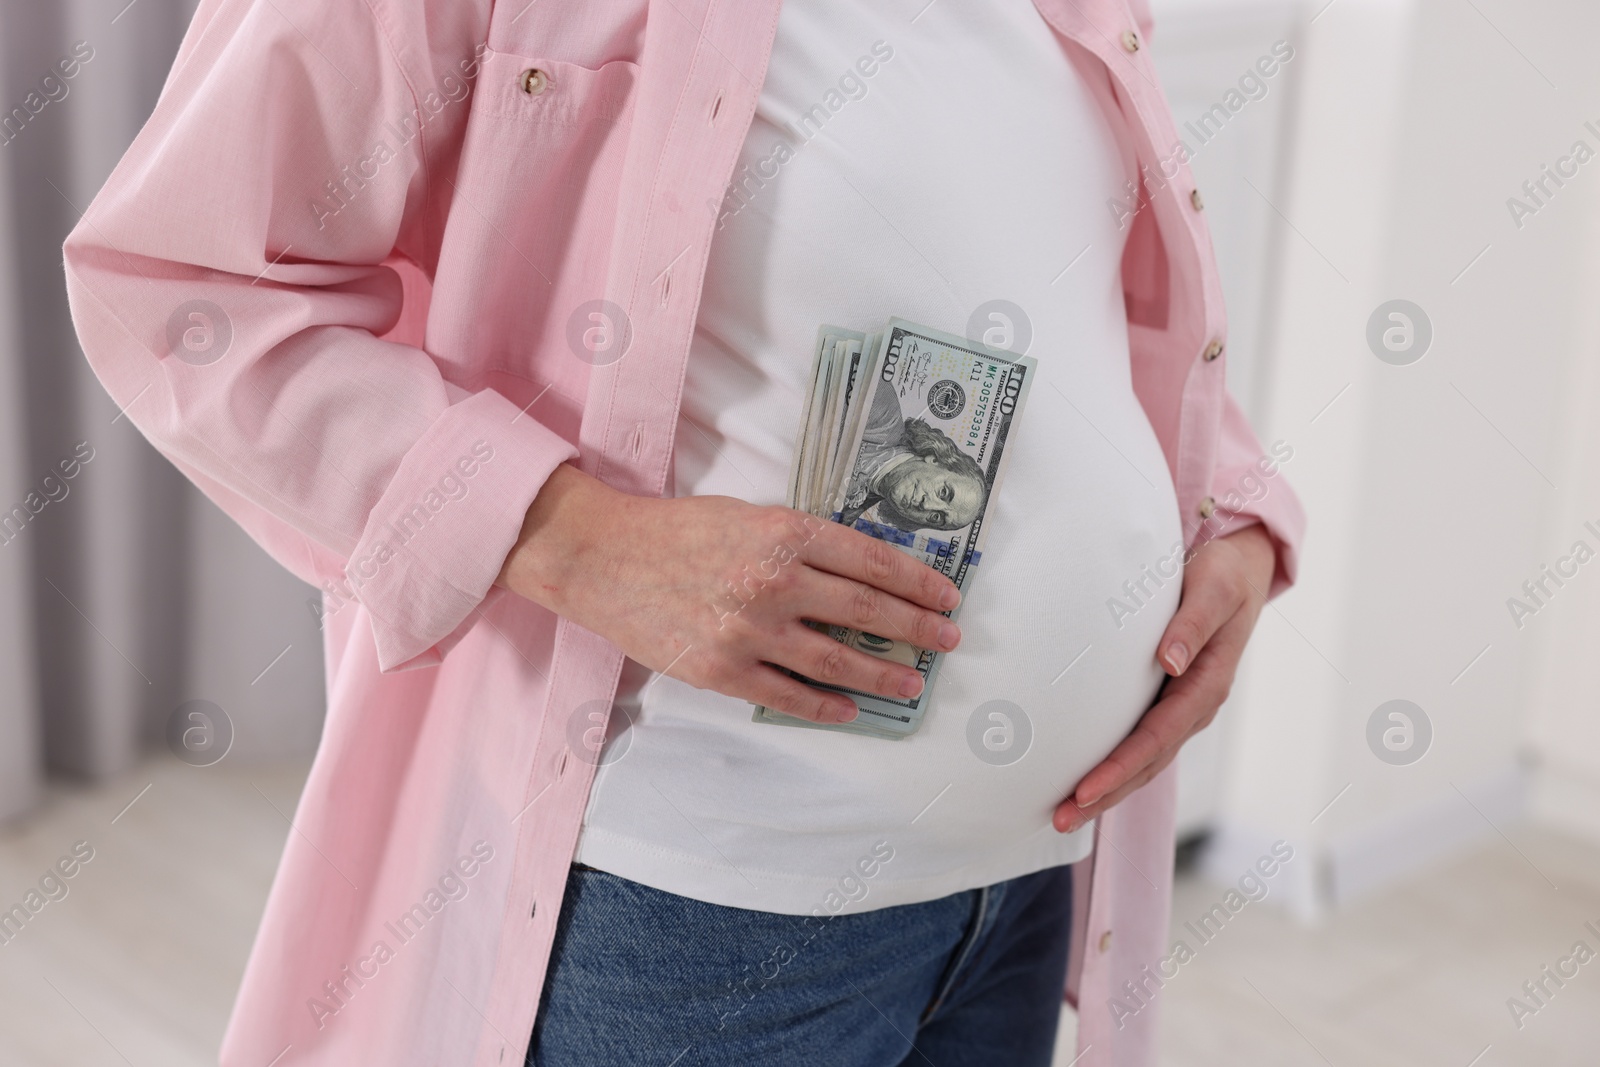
1079, 578
1054, 670
1048, 679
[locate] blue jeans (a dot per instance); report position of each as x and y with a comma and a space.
639, 976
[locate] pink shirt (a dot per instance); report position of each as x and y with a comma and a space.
337, 281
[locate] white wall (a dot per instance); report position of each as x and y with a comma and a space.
1562, 678
1433, 489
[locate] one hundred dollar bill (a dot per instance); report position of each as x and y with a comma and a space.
920, 438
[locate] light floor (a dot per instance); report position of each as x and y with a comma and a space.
138, 963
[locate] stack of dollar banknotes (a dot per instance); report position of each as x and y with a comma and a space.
904, 438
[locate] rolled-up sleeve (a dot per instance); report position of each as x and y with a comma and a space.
233, 279
1249, 487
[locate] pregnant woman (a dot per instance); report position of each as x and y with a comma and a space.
494, 321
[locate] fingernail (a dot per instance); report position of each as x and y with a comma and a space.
949, 635
1177, 657
847, 713
1073, 823
911, 685
950, 598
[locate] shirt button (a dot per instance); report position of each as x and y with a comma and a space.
1195, 199
1105, 941
1207, 506
1213, 350
1130, 41
533, 81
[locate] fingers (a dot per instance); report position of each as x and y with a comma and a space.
845, 578
825, 660
852, 554
1208, 633
1069, 815
773, 689
1210, 598
1163, 726
830, 598
1186, 706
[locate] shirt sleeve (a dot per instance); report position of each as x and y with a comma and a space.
1249, 487
233, 282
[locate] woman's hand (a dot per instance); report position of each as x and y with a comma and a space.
1224, 589
714, 591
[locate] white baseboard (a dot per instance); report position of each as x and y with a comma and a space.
1235, 848
1330, 873
1371, 859
1567, 798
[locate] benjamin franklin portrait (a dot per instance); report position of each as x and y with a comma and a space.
909, 474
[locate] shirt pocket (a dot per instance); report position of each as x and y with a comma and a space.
554, 93
529, 226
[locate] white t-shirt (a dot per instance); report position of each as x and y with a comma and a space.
928, 167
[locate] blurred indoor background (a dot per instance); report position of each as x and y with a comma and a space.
1407, 230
